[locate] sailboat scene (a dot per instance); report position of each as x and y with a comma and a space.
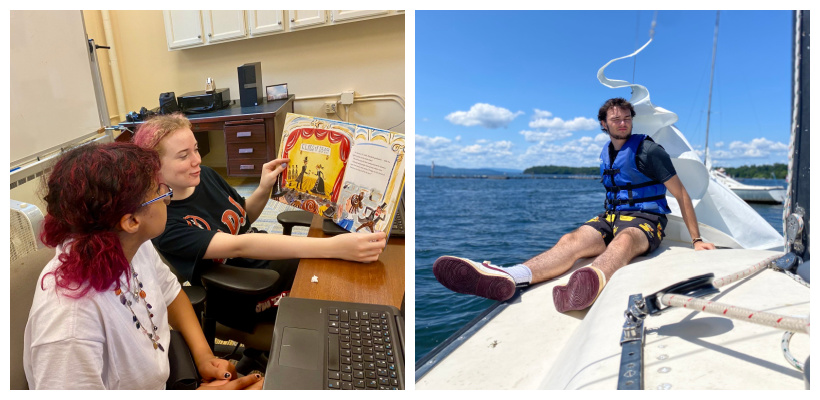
577, 222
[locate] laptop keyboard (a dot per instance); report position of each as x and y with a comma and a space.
362, 351
398, 225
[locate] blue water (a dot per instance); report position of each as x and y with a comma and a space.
503, 221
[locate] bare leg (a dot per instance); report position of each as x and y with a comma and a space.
626, 245
583, 242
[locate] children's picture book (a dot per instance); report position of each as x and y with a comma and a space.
352, 174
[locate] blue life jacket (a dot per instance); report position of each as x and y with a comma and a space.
627, 189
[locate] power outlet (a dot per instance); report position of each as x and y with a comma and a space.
330, 107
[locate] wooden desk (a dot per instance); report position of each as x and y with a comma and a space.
380, 282
252, 134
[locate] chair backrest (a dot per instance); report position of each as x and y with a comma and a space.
24, 274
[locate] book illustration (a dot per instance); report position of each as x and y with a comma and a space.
350, 173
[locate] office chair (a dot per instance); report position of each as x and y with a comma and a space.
289, 219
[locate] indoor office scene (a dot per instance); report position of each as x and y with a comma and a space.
221, 205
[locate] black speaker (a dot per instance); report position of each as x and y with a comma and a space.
168, 103
250, 84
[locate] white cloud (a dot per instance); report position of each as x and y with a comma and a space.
551, 129
757, 150
486, 115
541, 114
602, 138
426, 141
457, 138
548, 136
479, 154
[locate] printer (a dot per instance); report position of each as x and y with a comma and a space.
204, 101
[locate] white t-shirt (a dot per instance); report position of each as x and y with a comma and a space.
92, 342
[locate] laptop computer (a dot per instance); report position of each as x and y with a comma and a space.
324, 344
397, 230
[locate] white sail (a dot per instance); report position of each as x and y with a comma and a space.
715, 205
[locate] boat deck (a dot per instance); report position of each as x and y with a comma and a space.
529, 345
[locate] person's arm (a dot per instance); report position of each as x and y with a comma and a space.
182, 318
256, 202
675, 187
349, 246
67, 364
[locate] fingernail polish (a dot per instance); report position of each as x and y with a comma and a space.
227, 375
258, 376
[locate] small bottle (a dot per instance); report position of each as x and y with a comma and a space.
210, 86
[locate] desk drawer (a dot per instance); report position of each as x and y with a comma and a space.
246, 166
247, 150
245, 134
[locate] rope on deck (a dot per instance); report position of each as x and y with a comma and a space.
787, 323
731, 278
769, 262
784, 345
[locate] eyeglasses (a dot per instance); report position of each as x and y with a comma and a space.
163, 191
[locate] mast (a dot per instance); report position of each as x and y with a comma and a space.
711, 82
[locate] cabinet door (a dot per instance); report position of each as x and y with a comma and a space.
183, 28
345, 15
303, 18
224, 25
262, 22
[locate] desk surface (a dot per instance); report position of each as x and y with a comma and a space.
380, 282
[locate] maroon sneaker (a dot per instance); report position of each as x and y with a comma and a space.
580, 292
469, 277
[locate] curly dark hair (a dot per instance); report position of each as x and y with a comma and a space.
89, 190
619, 102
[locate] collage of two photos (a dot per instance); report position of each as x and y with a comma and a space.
224, 202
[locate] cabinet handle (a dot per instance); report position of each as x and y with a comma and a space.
246, 151
246, 167
209, 35
280, 22
293, 20
199, 36
243, 134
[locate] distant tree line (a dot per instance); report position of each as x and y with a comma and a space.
759, 171
746, 171
558, 170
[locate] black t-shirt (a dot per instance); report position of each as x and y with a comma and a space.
214, 207
652, 160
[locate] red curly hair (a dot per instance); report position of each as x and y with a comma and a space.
89, 190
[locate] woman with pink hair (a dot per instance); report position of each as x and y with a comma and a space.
209, 222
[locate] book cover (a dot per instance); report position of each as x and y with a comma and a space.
350, 173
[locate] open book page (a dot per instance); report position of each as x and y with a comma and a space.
351, 173
373, 181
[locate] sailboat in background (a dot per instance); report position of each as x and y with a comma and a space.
749, 193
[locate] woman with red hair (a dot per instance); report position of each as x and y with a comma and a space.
208, 221
104, 306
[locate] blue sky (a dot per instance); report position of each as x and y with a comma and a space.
510, 89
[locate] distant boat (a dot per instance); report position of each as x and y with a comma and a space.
750, 193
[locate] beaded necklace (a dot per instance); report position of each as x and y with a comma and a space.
138, 294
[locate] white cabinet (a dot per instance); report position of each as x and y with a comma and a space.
346, 15
194, 28
263, 22
183, 29
224, 25
304, 18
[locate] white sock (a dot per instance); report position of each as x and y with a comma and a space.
521, 274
